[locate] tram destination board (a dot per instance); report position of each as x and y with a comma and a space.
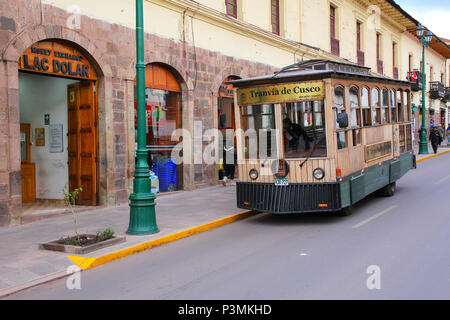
288, 92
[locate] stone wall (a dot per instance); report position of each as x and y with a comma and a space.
111, 49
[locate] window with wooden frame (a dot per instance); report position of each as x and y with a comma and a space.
275, 16
378, 52
407, 104
355, 109
339, 107
394, 61
376, 107
333, 35
365, 107
338, 103
400, 109
392, 106
359, 52
231, 7
384, 106
355, 115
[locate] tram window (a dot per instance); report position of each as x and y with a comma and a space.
384, 107
356, 137
365, 107
258, 123
400, 106
304, 129
338, 103
392, 105
407, 104
355, 119
342, 139
376, 112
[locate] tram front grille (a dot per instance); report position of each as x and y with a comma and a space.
294, 198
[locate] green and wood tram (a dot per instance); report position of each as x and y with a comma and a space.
320, 135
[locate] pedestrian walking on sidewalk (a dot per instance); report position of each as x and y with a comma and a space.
229, 161
435, 138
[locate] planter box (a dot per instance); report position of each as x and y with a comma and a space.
56, 246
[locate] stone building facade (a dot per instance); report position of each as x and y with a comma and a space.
110, 48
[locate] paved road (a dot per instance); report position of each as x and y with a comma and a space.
297, 257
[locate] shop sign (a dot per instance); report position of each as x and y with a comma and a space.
57, 59
291, 92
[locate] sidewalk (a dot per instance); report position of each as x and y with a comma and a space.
442, 148
23, 264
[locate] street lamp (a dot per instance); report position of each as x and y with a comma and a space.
425, 40
142, 200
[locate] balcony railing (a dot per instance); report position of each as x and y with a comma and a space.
360, 55
335, 46
380, 66
416, 78
437, 90
395, 73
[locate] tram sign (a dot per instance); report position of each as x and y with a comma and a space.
56, 58
279, 93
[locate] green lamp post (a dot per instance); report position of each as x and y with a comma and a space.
425, 40
142, 200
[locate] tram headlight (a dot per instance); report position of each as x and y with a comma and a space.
253, 174
319, 174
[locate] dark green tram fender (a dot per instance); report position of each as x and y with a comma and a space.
358, 185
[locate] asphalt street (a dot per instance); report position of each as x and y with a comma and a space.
405, 238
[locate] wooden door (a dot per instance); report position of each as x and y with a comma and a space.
83, 141
28, 169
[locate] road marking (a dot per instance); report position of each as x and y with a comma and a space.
443, 180
303, 254
374, 217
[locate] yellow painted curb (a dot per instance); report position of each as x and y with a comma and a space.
86, 263
433, 155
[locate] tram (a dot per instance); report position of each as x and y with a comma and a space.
320, 136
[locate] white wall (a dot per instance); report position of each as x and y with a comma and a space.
40, 95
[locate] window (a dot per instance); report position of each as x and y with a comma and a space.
304, 129
333, 37
359, 52
366, 117
400, 110
275, 16
356, 137
376, 110
231, 7
258, 123
407, 104
394, 60
338, 103
392, 105
355, 110
379, 61
384, 106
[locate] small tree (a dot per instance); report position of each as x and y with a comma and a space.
70, 199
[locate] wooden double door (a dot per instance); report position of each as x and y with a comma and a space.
83, 141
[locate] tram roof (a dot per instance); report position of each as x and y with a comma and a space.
316, 68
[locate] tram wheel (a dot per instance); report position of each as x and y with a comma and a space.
389, 190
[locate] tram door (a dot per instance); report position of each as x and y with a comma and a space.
82, 134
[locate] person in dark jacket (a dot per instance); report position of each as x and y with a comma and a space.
293, 132
435, 139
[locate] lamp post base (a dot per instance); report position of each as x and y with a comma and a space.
423, 147
142, 215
